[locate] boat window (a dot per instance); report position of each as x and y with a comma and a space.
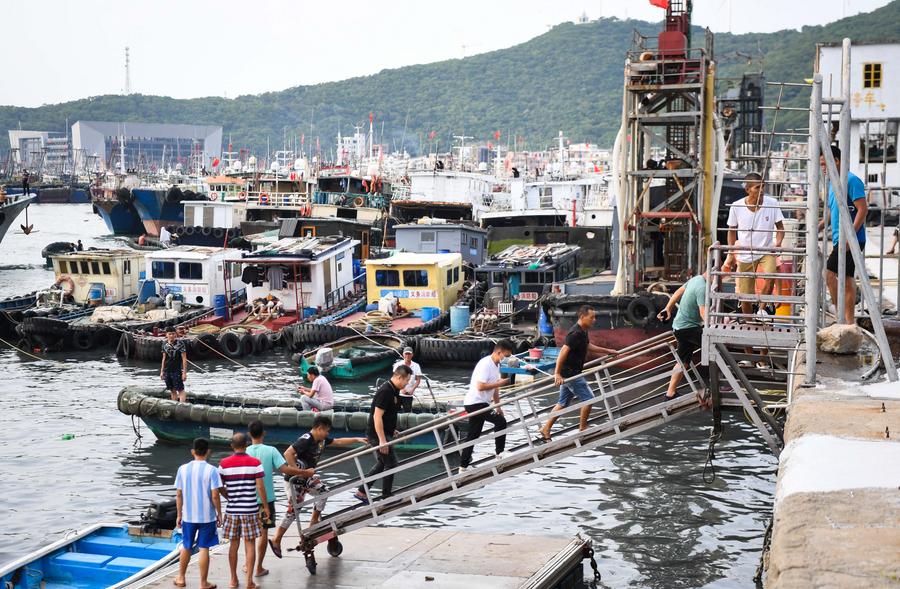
190, 270
427, 236
63, 267
162, 269
105, 266
85, 269
449, 275
126, 267
473, 242
415, 278
482, 276
498, 278
95, 267
456, 274
533, 277
387, 278
548, 277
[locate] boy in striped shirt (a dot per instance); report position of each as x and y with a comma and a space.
243, 478
197, 487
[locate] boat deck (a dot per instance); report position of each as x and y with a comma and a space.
396, 324
411, 557
241, 316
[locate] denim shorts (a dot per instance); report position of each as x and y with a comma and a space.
577, 388
199, 535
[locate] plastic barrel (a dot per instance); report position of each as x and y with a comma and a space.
308, 312
220, 304
459, 318
429, 313
543, 324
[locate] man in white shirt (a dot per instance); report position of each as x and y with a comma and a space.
484, 388
407, 393
754, 222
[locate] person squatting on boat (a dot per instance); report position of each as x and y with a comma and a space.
484, 389
272, 461
197, 485
408, 392
243, 478
754, 222
173, 369
571, 363
319, 396
382, 428
688, 324
303, 457
859, 209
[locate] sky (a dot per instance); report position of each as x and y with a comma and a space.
60, 50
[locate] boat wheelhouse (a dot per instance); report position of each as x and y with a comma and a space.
225, 189
99, 276
447, 194
432, 237
194, 272
416, 280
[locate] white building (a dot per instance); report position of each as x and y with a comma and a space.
874, 111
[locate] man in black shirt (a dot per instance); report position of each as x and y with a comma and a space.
382, 427
304, 454
173, 369
571, 363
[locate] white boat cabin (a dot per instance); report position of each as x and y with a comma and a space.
195, 272
225, 215
302, 272
111, 275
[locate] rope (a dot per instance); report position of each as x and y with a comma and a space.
29, 354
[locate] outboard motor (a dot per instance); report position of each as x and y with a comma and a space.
161, 515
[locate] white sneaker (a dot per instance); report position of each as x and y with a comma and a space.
462, 469
500, 455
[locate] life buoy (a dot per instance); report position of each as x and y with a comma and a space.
263, 198
70, 284
639, 311
242, 195
213, 196
359, 201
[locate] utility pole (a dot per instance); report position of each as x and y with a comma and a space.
127, 73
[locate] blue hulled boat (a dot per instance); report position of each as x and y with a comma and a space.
103, 556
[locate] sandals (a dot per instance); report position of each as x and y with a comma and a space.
276, 550
361, 498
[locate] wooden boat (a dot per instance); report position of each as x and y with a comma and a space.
218, 416
356, 356
101, 556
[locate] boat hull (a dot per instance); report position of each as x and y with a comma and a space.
10, 211
155, 210
120, 218
102, 556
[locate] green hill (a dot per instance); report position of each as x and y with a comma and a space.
569, 78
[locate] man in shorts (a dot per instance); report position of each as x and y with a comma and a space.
858, 207
754, 222
197, 487
569, 363
303, 456
173, 369
409, 391
271, 461
243, 478
688, 324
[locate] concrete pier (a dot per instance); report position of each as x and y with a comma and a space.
837, 501
408, 558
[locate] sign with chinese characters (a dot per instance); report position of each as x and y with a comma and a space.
527, 296
411, 293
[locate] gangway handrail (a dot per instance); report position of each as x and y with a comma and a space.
444, 421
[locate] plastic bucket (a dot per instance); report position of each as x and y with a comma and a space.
459, 318
544, 324
535, 353
429, 313
220, 305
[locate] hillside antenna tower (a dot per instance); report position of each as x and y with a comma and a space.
127, 73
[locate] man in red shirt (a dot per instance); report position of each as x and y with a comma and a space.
242, 476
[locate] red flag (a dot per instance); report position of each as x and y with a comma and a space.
664, 4
432, 135
215, 162
496, 135
490, 145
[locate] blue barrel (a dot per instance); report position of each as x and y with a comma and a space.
220, 304
459, 318
543, 324
429, 313
308, 312
95, 293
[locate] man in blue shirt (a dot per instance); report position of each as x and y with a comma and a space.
197, 487
859, 208
688, 324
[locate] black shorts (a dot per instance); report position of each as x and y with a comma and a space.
689, 341
832, 263
268, 524
173, 381
405, 404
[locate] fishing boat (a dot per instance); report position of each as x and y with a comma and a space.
160, 206
12, 310
355, 357
217, 417
11, 206
114, 203
102, 556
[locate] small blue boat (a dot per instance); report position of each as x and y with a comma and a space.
101, 556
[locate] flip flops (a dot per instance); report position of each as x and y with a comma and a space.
276, 550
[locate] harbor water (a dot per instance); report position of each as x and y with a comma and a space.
69, 458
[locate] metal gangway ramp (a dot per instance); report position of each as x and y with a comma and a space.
629, 390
